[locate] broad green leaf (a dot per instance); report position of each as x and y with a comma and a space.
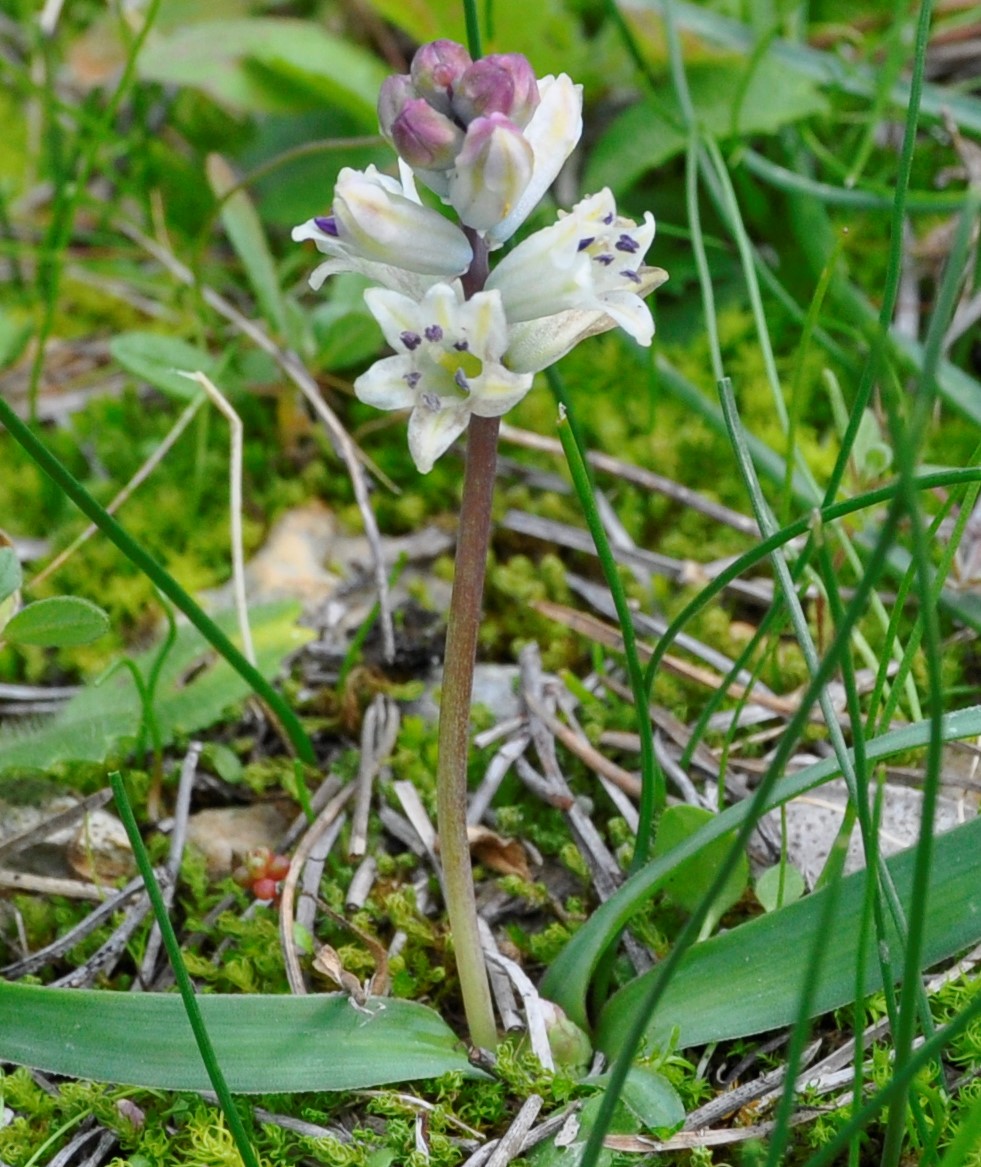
732, 98
196, 688
160, 360
568, 978
58, 622
249, 240
779, 885
692, 878
11, 576
750, 979
220, 57
652, 1100
264, 1044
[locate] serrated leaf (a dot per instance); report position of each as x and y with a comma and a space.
160, 360
264, 1044
762, 964
195, 689
58, 622
11, 576
249, 240
731, 97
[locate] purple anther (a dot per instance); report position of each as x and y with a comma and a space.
411, 340
630, 275
327, 224
628, 244
462, 346
433, 333
432, 402
604, 259
587, 242
461, 380
412, 379
608, 219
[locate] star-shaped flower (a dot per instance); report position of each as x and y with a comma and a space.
447, 364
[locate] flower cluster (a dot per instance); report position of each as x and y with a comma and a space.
488, 138
262, 873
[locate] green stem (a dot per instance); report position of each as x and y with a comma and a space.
186, 988
116, 534
462, 629
652, 793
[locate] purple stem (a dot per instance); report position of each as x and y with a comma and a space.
462, 629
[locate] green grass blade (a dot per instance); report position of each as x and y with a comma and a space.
567, 979
759, 963
265, 1044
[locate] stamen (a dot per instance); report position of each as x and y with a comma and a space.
412, 379
584, 243
433, 333
631, 275
604, 259
327, 224
462, 346
411, 340
625, 243
608, 219
461, 380
431, 401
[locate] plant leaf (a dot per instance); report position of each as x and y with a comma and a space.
220, 57
157, 359
692, 878
759, 964
768, 890
60, 621
249, 240
11, 576
568, 978
732, 98
195, 689
265, 1044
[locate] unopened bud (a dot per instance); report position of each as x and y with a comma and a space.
501, 83
396, 90
570, 1046
424, 137
492, 171
436, 68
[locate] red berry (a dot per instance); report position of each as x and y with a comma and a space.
264, 889
278, 868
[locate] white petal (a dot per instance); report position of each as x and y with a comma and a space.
432, 432
384, 385
552, 133
536, 344
500, 390
544, 274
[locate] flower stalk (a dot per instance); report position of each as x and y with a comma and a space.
463, 626
488, 138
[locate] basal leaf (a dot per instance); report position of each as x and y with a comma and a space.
195, 689
750, 979
160, 360
217, 56
568, 978
249, 240
264, 1044
60, 621
732, 97
11, 576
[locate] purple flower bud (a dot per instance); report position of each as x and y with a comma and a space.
436, 68
501, 83
424, 137
396, 90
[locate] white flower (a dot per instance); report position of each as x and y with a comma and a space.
581, 276
447, 364
552, 133
378, 227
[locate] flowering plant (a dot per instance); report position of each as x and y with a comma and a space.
489, 139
